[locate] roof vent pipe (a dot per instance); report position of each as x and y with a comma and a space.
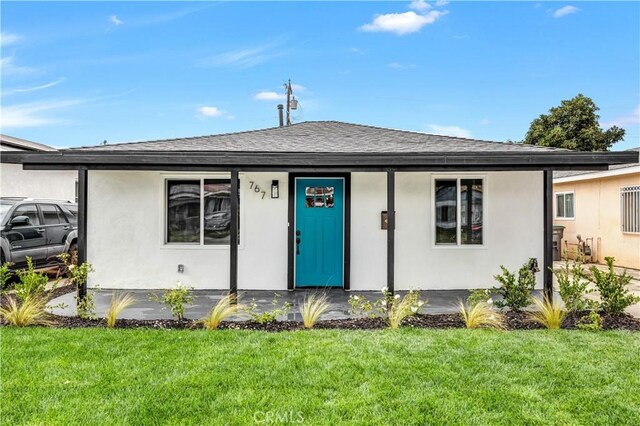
280, 116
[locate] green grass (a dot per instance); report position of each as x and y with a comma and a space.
406, 376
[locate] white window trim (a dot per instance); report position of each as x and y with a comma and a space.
164, 178
458, 177
555, 205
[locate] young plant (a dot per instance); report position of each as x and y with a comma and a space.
175, 298
572, 286
32, 284
614, 294
479, 314
5, 275
86, 306
268, 316
31, 311
312, 308
515, 291
549, 314
591, 322
78, 276
393, 308
118, 304
225, 307
479, 296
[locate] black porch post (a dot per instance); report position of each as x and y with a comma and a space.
391, 227
83, 177
547, 272
233, 229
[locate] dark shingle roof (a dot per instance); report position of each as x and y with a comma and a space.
568, 173
322, 136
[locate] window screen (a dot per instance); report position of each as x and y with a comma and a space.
630, 209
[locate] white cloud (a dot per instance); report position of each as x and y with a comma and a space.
402, 23
441, 3
399, 66
564, 11
419, 5
244, 58
30, 114
456, 131
7, 38
269, 96
356, 50
115, 20
210, 111
298, 87
630, 119
34, 88
485, 121
8, 67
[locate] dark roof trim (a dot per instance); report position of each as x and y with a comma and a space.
559, 160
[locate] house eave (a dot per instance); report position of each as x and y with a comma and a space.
186, 160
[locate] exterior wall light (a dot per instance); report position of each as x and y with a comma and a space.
275, 191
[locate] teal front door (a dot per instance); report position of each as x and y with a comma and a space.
319, 235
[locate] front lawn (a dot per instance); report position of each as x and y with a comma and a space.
406, 376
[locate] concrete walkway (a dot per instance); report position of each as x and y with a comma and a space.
438, 302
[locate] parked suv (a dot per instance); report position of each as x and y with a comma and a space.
37, 228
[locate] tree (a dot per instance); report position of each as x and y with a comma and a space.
573, 125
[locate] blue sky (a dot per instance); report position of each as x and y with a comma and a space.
79, 73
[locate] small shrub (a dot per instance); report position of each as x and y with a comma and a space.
591, 322
175, 298
393, 308
5, 275
572, 286
481, 315
118, 304
312, 308
614, 295
516, 292
226, 306
268, 316
31, 311
86, 306
549, 314
77, 274
479, 296
32, 284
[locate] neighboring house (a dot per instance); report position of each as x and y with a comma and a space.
315, 204
603, 206
16, 182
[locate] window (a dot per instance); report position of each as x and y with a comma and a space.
30, 211
199, 211
564, 205
319, 197
458, 211
52, 214
630, 209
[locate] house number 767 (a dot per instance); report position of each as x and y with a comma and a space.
256, 188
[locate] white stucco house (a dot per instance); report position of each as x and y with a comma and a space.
315, 204
17, 182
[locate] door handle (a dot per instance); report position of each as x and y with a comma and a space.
40, 230
298, 243
66, 228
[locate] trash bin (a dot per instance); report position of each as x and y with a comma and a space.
558, 232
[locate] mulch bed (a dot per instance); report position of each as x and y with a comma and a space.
515, 321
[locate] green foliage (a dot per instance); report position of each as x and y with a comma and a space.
549, 314
86, 306
515, 291
573, 125
78, 274
481, 315
573, 286
271, 315
590, 322
614, 294
30, 311
175, 298
393, 308
5, 275
479, 296
311, 309
32, 284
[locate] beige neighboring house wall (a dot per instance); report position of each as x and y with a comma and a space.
597, 212
15, 182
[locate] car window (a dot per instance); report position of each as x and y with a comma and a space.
28, 210
5, 206
52, 214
